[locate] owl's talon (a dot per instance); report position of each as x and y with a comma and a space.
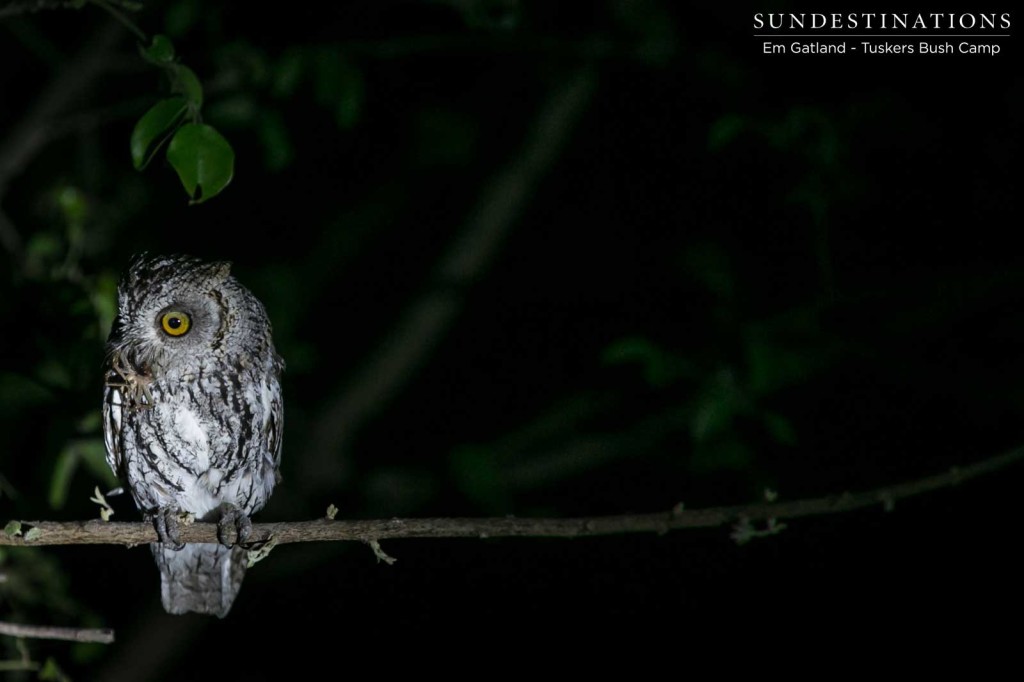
165, 521
233, 524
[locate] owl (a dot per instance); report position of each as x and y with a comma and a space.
192, 417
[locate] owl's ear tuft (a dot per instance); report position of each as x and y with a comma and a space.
219, 270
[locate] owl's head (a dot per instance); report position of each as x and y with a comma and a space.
179, 312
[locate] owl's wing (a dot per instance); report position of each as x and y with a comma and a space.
273, 424
274, 428
113, 405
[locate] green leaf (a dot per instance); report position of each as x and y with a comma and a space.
726, 454
18, 392
52, 372
60, 482
780, 428
89, 451
287, 73
233, 112
185, 82
181, 16
43, 252
709, 264
13, 529
154, 128
277, 147
33, 534
51, 672
90, 422
103, 295
338, 84
160, 51
93, 453
478, 476
630, 349
715, 407
204, 160
778, 356
725, 130
660, 368
350, 105
72, 204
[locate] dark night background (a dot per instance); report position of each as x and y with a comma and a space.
531, 258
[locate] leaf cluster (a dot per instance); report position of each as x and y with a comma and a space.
202, 157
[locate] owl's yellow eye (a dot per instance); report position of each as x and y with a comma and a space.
175, 323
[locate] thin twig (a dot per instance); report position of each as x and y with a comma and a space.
97, 532
121, 19
17, 666
98, 635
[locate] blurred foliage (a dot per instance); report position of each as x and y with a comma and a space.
735, 277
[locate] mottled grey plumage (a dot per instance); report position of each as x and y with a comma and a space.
192, 419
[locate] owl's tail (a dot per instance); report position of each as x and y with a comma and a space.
199, 577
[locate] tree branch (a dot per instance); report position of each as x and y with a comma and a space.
100, 635
324, 530
424, 323
26, 139
14, 9
10, 240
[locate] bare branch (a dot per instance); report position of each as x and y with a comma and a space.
14, 9
424, 323
324, 530
98, 635
26, 139
10, 240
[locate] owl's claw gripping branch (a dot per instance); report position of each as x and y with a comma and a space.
165, 521
233, 524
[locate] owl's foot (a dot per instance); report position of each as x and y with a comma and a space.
165, 521
233, 524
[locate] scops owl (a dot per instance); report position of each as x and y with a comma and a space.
192, 417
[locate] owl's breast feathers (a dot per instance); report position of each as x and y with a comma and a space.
193, 440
